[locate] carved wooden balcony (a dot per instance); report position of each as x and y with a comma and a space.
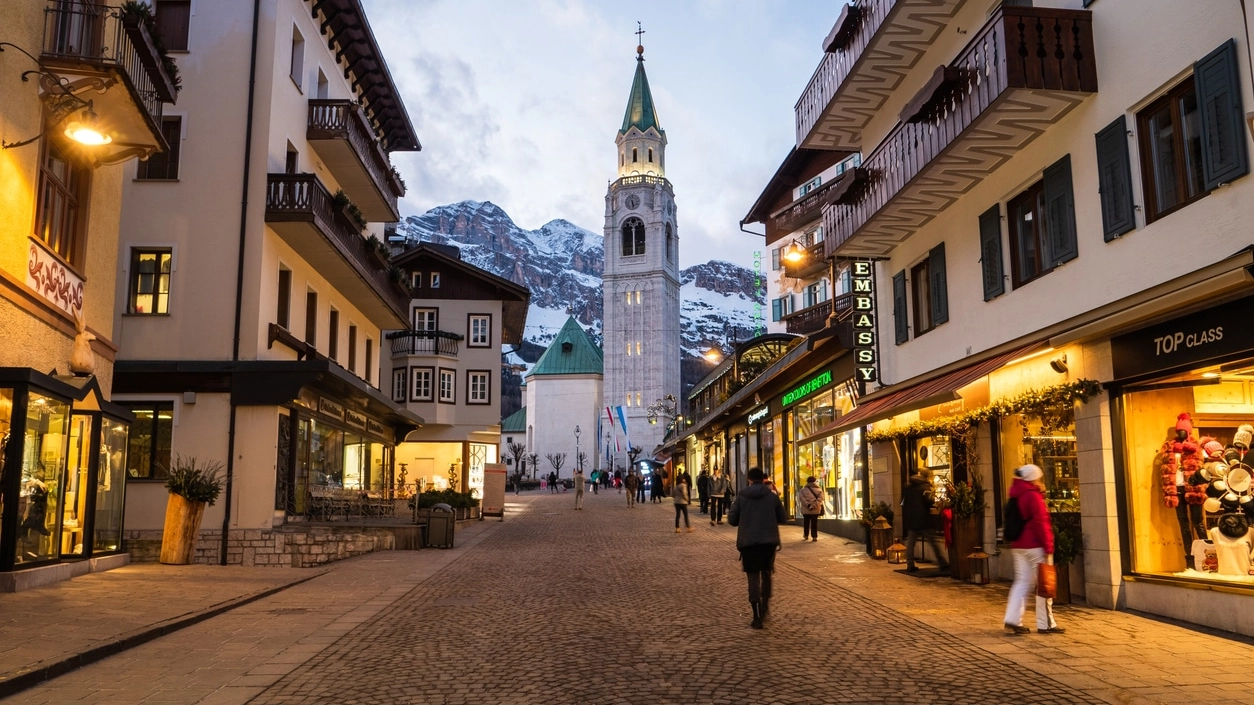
340, 133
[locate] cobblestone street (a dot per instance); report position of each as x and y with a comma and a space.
609, 605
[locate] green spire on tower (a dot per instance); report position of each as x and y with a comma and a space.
640, 111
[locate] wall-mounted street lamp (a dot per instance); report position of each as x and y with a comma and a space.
85, 128
794, 253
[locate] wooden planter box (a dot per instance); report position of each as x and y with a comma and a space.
182, 528
968, 532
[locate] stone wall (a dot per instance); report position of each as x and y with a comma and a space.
290, 545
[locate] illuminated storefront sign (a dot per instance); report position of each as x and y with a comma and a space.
758, 414
862, 277
810, 387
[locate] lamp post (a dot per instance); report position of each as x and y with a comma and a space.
578, 460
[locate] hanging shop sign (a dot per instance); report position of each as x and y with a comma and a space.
811, 386
1187, 340
758, 414
330, 408
866, 368
354, 419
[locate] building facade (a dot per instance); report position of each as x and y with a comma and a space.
252, 285
640, 283
446, 367
564, 407
84, 89
1054, 231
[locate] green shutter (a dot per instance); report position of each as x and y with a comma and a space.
1060, 238
900, 320
1114, 180
1224, 154
777, 306
990, 253
940, 287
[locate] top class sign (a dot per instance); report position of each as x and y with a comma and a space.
863, 280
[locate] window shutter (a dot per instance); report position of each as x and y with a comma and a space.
940, 289
990, 253
1224, 155
776, 308
1114, 180
1060, 240
900, 320
775, 259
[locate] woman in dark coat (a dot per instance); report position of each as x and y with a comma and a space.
916, 509
656, 490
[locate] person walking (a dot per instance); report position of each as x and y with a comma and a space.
680, 493
657, 488
703, 491
640, 488
632, 482
810, 499
553, 482
757, 514
1033, 547
916, 512
579, 482
719, 484
594, 481
618, 481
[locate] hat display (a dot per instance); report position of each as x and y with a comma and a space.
1031, 473
1239, 479
1212, 505
1232, 456
1217, 489
1184, 423
1213, 449
1234, 526
1230, 502
1243, 436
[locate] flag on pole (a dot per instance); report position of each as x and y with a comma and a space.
610, 416
622, 419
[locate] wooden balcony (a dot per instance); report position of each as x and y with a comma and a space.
870, 51
1021, 73
300, 210
424, 342
107, 57
342, 136
815, 318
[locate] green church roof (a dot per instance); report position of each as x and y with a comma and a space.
515, 422
640, 111
571, 353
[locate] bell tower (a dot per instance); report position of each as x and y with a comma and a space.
640, 287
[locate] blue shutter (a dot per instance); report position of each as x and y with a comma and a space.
1114, 180
990, 253
900, 315
775, 259
776, 309
940, 286
1060, 238
1224, 155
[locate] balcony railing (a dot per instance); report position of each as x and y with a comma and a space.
301, 198
638, 179
103, 38
1042, 55
815, 318
344, 121
425, 342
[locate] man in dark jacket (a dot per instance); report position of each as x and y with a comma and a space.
916, 510
703, 490
757, 514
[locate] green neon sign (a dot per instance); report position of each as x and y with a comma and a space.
808, 388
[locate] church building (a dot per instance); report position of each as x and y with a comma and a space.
641, 277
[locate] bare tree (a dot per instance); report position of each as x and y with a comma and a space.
534, 460
581, 458
633, 453
517, 452
557, 460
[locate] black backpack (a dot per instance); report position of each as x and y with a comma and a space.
1012, 521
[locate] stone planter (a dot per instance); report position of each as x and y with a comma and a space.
181, 530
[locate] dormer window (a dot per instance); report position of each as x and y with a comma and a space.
567, 346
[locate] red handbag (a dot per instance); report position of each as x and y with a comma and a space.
1046, 580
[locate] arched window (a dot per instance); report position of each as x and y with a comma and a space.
621, 158
633, 237
650, 155
635, 154
670, 243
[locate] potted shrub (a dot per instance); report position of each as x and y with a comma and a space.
1068, 542
192, 486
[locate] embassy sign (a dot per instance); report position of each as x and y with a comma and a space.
862, 277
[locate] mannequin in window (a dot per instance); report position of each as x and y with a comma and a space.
1234, 541
1180, 458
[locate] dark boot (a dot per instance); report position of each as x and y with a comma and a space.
757, 615
766, 607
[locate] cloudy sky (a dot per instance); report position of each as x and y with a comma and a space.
519, 102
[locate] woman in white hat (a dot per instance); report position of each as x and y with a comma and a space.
1033, 546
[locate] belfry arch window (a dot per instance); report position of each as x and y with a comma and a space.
670, 243
633, 237
650, 155
635, 154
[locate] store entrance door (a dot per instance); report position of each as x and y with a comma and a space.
73, 505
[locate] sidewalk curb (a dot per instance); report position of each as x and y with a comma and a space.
31, 676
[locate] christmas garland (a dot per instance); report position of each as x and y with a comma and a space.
1033, 402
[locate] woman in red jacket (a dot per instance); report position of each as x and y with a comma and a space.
1034, 545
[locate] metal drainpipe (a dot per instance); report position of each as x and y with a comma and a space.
239, 279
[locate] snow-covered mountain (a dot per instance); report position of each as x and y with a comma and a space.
561, 263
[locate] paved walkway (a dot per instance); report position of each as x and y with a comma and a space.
609, 605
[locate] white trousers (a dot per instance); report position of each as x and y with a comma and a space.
1026, 561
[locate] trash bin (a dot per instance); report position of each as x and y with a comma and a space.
440, 526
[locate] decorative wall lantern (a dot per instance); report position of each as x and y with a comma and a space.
897, 552
881, 538
978, 564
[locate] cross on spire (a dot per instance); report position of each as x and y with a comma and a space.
639, 41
